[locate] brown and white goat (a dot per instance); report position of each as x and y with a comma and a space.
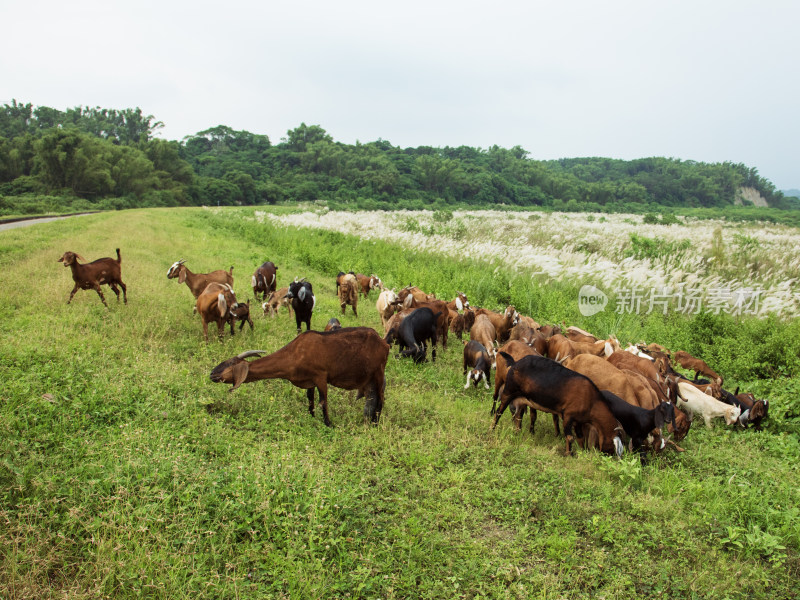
275, 300
214, 305
241, 312
373, 282
90, 276
477, 364
197, 282
459, 303
352, 358
483, 331
410, 294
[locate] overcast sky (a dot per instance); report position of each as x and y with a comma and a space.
697, 80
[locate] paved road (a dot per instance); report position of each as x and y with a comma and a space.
25, 223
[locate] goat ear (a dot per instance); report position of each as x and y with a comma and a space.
736, 393
240, 371
182, 276
222, 305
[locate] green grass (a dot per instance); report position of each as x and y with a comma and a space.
126, 473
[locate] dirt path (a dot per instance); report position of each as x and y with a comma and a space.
27, 222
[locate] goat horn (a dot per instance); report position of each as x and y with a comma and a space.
248, 353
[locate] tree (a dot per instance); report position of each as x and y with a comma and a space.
297, 139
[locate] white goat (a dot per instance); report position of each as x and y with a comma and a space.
698, 402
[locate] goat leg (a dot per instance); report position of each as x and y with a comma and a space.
310, 395
75, 289
100, 293
674, 445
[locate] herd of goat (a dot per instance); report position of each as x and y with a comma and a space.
604, 395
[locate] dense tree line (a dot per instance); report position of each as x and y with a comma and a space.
111, 158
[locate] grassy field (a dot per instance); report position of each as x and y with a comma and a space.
126, 473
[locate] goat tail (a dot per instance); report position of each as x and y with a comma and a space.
119, 256
508, 358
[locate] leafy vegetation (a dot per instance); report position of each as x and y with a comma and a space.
110, 159
126, 473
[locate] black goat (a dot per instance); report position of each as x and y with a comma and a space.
412, 333
640, 423
303, 301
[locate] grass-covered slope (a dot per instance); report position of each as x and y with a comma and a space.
126, 473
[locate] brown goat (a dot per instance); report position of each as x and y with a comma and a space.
687, 361
576, 334
560, 347
214, 305
503, 322
197, 282
604, 375
352, 358
348, 292
90, 276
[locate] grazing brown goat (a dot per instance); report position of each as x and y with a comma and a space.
90, 276
560, 348
352, 358
214, 305
197, 282
577, 334
687, 361
333, 324
348, 292
503, 322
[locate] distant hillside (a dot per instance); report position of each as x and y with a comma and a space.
85, 158
791, 193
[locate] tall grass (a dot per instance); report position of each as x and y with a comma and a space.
126, 473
